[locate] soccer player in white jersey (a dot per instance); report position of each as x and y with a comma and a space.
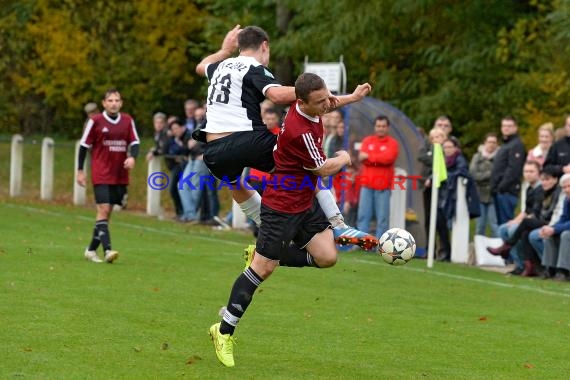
235, 134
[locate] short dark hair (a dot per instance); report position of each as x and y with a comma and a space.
491, 134
510, 118
110, 91
534, 163
251, 37
176, 120
307, 83
382, 117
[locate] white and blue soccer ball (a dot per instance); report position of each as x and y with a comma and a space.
397, 246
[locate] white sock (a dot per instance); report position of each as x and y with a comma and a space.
331, 210
252, 208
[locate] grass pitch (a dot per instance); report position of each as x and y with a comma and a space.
147, 315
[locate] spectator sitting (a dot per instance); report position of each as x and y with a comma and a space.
528, 255
556, 257
533, 206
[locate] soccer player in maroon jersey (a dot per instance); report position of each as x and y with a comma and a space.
289, 210
235, 133
114, 143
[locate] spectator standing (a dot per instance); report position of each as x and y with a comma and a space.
90, 110
425, 156
480, 169
545, 141
507, 171
559, 154
190, 107
160, 137
378, 154
456, 165
178, 153
556, 257
114, 143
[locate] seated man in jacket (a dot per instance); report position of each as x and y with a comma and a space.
556, 257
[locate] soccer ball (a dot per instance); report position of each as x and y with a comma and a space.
397, 246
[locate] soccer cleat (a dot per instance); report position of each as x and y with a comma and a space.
111, 256
248, 254
223, 344
346, 235
92, 256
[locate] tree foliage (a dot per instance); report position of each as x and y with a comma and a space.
474, 60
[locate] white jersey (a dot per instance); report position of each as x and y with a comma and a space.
237, 87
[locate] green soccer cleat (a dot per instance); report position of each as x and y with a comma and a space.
223, 344
248, 254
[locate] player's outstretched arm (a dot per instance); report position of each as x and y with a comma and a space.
281, 94
229, 46
358, 94
334, 164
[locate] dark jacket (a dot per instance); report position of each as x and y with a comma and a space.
448, 191
558, 155
549, 203
508, 166
564, 223
534, 199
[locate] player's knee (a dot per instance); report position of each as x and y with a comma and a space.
327, 260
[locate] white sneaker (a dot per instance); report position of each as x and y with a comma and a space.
111, 256
92, 256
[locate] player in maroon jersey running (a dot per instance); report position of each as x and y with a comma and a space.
114, 143
289, 210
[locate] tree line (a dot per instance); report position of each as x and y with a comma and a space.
474, 60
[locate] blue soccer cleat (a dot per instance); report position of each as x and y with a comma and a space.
347, 235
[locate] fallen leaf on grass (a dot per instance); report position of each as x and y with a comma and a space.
483, 318
164, 346
193, 359
528, 365
137, 349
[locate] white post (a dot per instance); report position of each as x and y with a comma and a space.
398, 200
432, 219
153, 195
46, 182
79, 198
16, 165
460, 226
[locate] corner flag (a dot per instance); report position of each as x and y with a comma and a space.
439, 169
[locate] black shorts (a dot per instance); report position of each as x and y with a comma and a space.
228, 156
279, 229
111, 194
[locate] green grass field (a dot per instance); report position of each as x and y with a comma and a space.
147, 315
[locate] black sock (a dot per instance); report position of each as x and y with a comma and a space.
102, 227
95, 241
297, 257
240, 298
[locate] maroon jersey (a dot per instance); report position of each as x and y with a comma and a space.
291, 188
109, 141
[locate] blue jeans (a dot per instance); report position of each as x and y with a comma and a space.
488, 215
373, 203
536, 242
505, 232
191, 196
505, 204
